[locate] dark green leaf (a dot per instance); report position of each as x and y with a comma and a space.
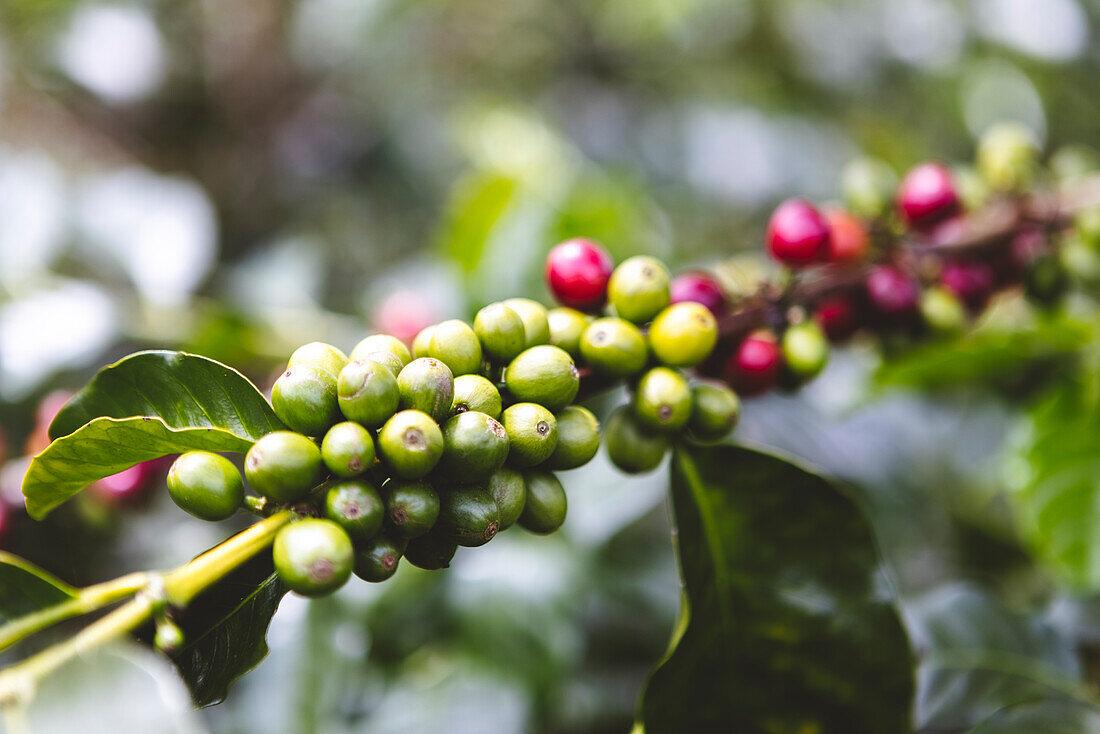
786, 626
106, 446
225, 629
26, 588
183, 390
1043, 718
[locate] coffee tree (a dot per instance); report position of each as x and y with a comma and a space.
361, 463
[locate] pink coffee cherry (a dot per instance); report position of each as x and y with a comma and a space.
798, 234
697, 286
892, 292
972, 281
754, 366
577, 272
837, 317
927, 195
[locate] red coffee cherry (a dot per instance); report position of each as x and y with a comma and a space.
797, 234
838, 317
754, 366
7, 523
927, 195
848, 238
972, 281
893, 292
697, 286
128, 487
577, 272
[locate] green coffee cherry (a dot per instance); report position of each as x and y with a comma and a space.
422, 342
1081, 262
474, 392
355, 506
943, 311
1008, 156
509, 492
382, 343
545, 375
427, 385
305, 399
715, 410
544, 511
566, 327
389, 360
412, 507
532, 433
367, 393
475, 445
410, 443
1086, 222
638, 288
501, 331
469, 516
684, 334
972, 189
320, 355
431, 552
662, 400
868, 186
631, 447
283, 466
205, 485
168, 637
535, 324
347, 449
614, 347
313, 557
805, 349
377, 559
456, 345
578, 438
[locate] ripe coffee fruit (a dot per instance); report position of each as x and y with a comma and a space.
577, 272
754, 365
638, 288
347, 449
971, 280
536, 327
468, 516
475, 446
474, 392
411, 507
501, 332
320, 355
411, 444
892, 292
283, 466
837, 317
456, 345
683, 335
797, 234
355, 506
566, 327
632, 448
614, 347
698, 287
578, 438
377, 559
382, 343
205, 485
313, 557
305, 399
427, 385
546, 505
848, 240
927, 195
510, 493
662, 400
715, 410
367, 392
545, 375
532, 433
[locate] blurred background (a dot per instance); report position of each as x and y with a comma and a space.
238, 178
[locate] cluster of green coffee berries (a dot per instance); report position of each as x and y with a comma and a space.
397, 454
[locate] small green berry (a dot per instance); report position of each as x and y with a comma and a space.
422, 342
868, 186
469, 516
684, 334
578, 438
389, 360
973, 190
544, 510
347, 449
501, 331
943, 311
715, 410
412, 507
283, 466
532, 433
205, 485
313, 557
1008, 156
545, 375
510, 492
474, 446
614, 347
168, 638
474, 392
431, 552
382, 343
630, 446
662, 400
368, 393
566, 327
320, 355
305, 399
638, 288
805, 349
456, 345
427, 385
535, 324
355, 506
377, 559
410, 443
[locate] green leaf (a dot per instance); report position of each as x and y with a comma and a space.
1043, 718
478, 203
106, 446
225, 629
787, 626
26, 588
183, 390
